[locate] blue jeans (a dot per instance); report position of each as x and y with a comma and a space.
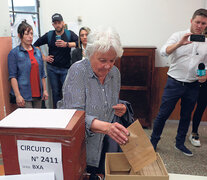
174, 90
56, 77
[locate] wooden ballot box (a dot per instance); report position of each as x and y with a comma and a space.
44, 140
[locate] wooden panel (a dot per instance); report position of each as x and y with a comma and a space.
160, 81
137, 68
5, 107
141, 108
134, 72
2, 170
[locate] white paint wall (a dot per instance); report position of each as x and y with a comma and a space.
139, 22
5, 29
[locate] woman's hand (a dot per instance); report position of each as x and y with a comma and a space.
120, 109
118, 133
45, 95
115, 130
20, 101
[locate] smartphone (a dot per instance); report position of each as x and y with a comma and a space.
58, 37
197, 38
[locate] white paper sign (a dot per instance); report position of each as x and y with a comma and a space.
40, 157
38, 118
40, 176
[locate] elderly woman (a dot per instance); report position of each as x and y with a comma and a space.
26, 71
93, 85
79, 52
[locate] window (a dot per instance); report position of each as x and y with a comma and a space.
24, 8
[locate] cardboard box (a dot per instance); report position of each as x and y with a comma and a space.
138, 160
118, 168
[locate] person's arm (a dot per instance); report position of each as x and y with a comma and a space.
74, 40
72, 43
61, 43
202, 79
42, 76
49, 58
174, 43
41, 41
19, 99
44, 94
13, 75
120, 109
115, 130
170, 49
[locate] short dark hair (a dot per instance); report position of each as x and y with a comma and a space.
200, 12
24, 26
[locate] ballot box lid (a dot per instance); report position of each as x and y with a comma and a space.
49, 122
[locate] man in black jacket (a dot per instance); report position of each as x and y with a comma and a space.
60, 41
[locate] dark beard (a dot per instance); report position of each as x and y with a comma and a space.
59, 31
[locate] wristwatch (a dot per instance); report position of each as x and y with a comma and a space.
68, 44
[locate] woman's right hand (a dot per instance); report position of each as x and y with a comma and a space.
20, 101
115, 130
118, 133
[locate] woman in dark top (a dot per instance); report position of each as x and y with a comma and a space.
79, 53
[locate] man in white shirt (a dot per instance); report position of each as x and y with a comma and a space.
182, 83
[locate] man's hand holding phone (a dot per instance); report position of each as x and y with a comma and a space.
59, 42
185, 40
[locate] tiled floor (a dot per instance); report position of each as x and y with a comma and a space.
175, 161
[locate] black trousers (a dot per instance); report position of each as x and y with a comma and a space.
175, 90
109, 145
201, 106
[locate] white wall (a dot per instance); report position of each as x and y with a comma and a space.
139, 22
5, 29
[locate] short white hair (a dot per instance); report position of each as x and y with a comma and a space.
102, 40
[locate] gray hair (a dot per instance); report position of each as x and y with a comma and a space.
102, 40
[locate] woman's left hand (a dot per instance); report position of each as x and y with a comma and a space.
45, 95
120, 109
